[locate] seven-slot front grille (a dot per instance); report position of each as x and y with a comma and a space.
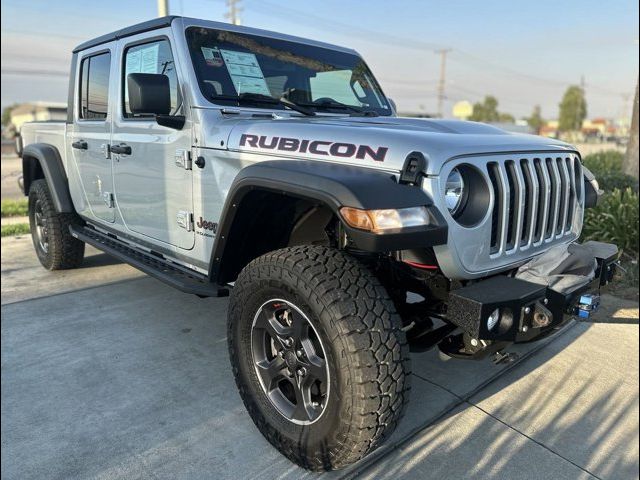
535, 200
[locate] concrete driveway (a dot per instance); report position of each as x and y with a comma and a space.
109, 374
10, 170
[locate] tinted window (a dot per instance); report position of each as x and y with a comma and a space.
94, 87
230, 64
154, 57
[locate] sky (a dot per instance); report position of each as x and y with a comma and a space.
524, 53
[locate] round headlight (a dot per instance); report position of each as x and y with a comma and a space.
454, 191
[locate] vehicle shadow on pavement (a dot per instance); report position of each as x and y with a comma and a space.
132, 380
568, 411
99, 260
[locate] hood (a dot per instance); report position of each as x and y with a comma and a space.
378, 142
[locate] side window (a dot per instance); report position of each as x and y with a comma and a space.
94, 87
154, 57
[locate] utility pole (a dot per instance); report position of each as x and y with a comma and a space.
441, 84
584, 97
233, 14
163, 8
631, 158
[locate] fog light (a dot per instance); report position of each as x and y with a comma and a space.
493, 319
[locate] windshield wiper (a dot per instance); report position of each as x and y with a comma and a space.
248, 97
343, 106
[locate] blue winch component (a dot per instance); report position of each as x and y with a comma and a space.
588, 303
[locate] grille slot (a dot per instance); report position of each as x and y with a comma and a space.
535, 200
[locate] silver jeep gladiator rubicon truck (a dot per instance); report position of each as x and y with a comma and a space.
223, 159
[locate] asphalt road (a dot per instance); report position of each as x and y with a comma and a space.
108, 374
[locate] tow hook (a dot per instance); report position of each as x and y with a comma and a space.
542, 316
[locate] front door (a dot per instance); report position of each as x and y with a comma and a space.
91, 134
153, 180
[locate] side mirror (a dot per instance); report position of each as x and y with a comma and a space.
149, 93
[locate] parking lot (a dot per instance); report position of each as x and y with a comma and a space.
109, 374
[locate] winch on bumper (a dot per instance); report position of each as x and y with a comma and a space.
493, 313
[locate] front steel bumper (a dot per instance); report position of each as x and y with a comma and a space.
528, 311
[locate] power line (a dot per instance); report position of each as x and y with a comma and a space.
18, 71
382, 37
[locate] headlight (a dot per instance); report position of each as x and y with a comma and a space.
454, 191
379, 221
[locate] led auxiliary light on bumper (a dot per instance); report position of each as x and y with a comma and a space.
381, 221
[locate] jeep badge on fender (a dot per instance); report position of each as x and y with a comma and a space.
274, 169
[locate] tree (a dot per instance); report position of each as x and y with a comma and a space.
506, 118
486, 111
573, 109
631, 158
6, 114
535, 121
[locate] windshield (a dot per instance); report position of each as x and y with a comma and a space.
234, 68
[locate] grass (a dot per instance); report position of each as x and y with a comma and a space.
15, 229
14, 208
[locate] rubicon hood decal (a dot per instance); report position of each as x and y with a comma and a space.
380, 143
315, 147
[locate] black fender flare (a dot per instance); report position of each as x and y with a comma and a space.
50, 163
334, 186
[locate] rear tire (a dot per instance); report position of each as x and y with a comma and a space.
352, 352
56, 248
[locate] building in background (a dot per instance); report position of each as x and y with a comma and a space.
36, 111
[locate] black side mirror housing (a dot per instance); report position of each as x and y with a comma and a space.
149, 93
172, 121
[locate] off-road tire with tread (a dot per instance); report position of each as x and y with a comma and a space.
64, 251
367, 353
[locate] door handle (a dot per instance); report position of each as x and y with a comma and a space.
80, 145
121, 149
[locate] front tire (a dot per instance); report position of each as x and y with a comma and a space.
318, 355
56, 248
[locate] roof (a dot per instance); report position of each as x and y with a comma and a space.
127, 31
162, 22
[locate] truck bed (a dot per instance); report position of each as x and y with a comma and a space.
52, 132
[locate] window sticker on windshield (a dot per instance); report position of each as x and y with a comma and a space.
212, 56
245, 72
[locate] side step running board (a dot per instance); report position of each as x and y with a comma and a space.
167, 272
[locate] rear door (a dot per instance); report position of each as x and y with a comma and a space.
91, 133
154, 181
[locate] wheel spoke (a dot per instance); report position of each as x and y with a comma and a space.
267, 321
306, 409
299, 327
271, 372
315, 367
